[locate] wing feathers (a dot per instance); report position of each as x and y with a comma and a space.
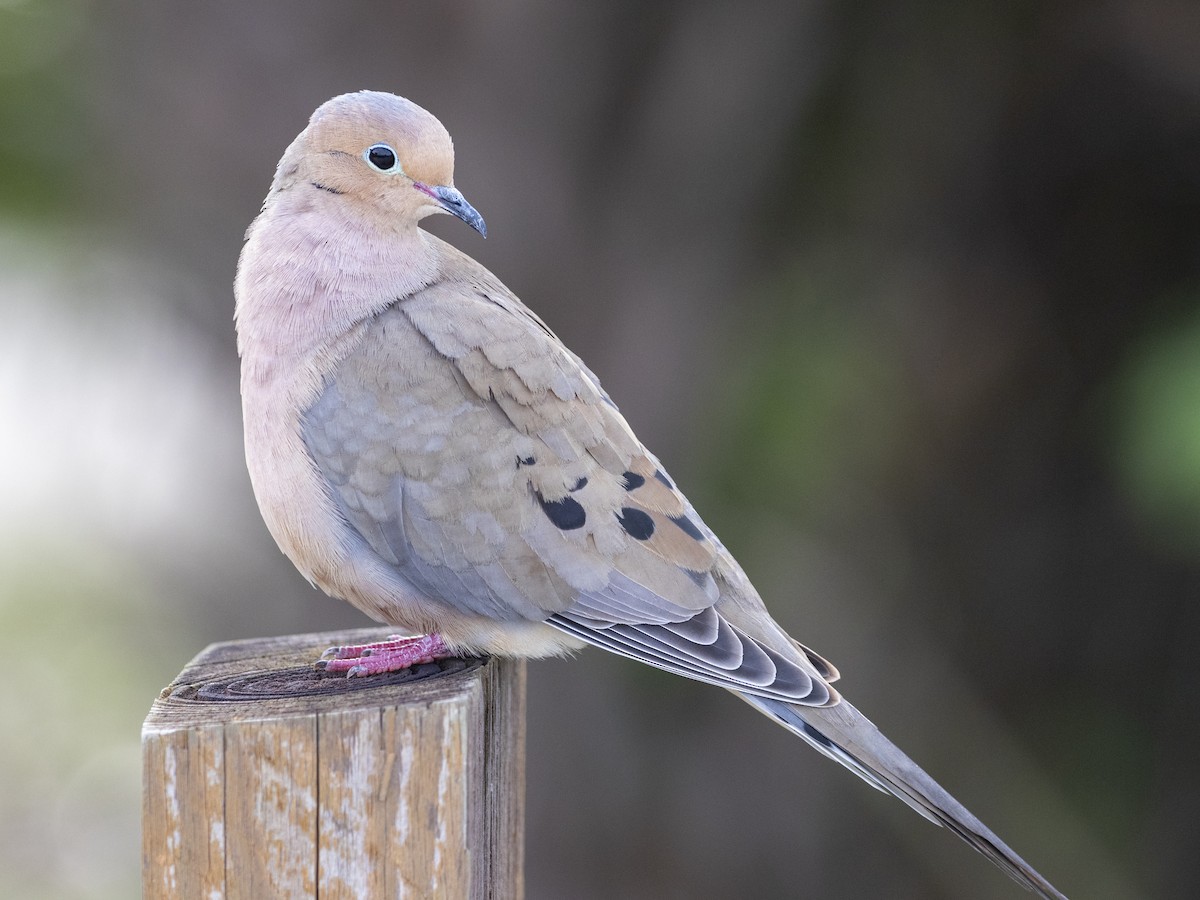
731, 659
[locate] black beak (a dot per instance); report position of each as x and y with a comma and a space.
456, 204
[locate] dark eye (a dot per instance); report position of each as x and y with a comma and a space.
382, 157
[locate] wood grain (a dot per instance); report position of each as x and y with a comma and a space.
263, 778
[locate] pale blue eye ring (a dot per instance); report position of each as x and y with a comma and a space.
382, 158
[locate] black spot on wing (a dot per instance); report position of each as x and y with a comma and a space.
662, 476
566, 513
579, 485
688, 527
633, 481
636, 523
525, 461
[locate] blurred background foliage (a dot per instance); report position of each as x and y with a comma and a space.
907, 296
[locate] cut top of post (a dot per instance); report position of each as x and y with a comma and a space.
264, 778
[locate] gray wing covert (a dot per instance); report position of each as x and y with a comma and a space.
470, 449
424, 471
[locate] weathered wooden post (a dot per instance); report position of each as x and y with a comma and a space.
262, 779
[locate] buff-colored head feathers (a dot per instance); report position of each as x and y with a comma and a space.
375, 148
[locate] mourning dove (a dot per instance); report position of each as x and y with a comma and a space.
422, 445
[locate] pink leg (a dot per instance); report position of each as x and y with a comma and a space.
392, 655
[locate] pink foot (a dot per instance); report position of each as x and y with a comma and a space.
392, 655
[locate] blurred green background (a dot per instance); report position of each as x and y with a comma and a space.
907, 297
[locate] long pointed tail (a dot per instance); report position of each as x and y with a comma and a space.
842, 733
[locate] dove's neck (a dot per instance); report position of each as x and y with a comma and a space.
309, 274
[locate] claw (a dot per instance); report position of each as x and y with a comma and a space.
393, 655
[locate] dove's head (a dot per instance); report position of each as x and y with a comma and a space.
382, 152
